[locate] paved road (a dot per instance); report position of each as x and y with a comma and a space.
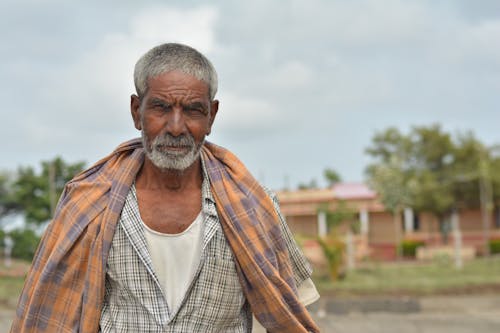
450, 314
446, 314
6, 315
411, 323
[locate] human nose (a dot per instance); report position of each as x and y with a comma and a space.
176, 123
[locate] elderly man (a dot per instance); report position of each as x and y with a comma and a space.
169, 233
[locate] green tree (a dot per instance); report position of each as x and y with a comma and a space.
25, 243
387, 144
331, 176
332, 244
435, 172
495, 175
333, 248
7, 201
342, 213
311, 185
415, 169
36, 193
394, 186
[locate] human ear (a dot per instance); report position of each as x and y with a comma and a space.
214, 107
135, 110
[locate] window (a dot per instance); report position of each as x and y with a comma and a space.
416, 221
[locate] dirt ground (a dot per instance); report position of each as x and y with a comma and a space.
442, 314
436, 314
475, 310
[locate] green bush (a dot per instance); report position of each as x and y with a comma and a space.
2, 236
333, 249
494, 246
25, 243
408, 248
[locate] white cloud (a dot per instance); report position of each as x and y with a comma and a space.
303, 71
91, 96
375, 22
482, 41
194, 27
240, 115
290, 75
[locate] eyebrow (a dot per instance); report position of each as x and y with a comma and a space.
196, 105
157, 101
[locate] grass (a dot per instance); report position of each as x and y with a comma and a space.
10, 289
12, 281
439, 277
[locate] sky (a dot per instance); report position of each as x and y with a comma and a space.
304, 85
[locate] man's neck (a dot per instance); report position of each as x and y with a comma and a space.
152, 178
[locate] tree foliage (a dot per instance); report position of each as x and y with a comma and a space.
333, 248
8, 203
430, 170
331, 176
495, 174
307, 186
342, 213
35, 193
332, 244
25, 243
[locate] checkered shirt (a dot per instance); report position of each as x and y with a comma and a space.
214, 302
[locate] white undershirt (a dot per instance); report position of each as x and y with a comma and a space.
176, 258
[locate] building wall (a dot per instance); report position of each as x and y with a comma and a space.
382, 229
305, 225
428, 230
472, 220
301, 216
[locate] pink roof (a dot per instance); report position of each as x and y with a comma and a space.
347, 191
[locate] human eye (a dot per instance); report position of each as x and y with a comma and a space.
195, 110
160, 106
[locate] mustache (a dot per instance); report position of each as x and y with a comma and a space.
184, 140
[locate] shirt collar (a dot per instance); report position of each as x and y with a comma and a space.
208, 201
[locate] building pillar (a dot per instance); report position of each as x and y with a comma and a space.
322, 227
457, 238
364, 220
408, 218
350, 251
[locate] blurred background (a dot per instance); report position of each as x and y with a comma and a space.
376, 122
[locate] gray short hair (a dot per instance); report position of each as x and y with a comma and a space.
173, 56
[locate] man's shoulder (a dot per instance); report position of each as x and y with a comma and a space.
102, 170
90, 178
270, 193
93, 182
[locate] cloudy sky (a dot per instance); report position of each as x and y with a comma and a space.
304, 84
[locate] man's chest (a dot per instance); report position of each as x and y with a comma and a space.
169, 214
134, 300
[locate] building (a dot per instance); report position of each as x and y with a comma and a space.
377, 226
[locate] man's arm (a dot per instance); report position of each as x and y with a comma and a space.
302, 270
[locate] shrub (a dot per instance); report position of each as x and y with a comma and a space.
494, 246
2, 236
408, 248
333, 248
25, 243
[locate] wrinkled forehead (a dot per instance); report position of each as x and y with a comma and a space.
177, 82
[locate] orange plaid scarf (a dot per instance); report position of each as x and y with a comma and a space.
64, 289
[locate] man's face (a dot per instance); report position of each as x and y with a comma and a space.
174, 117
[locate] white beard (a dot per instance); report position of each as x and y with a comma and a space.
158, 153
